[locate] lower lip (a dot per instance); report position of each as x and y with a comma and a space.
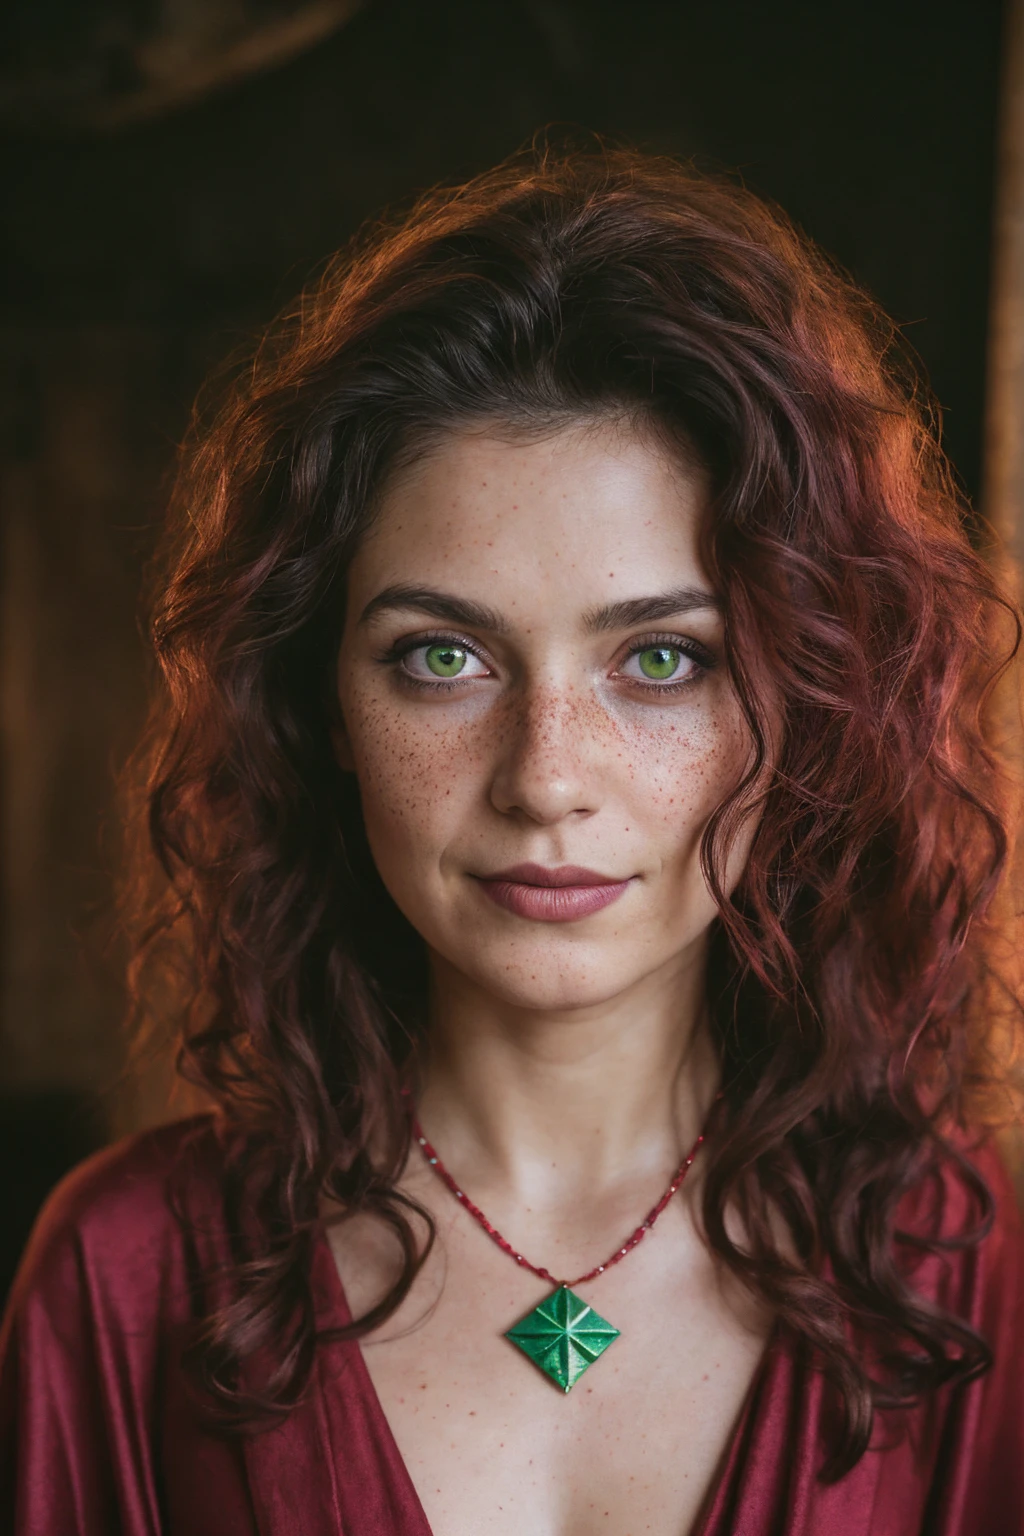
553, 903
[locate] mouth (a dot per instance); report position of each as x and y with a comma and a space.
561, 895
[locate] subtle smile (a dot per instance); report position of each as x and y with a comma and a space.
560, 895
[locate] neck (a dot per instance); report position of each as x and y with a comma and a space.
546, 1103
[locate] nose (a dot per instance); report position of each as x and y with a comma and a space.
544, 769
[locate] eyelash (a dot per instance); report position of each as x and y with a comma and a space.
702, 658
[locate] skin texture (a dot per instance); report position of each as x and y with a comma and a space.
569, 1067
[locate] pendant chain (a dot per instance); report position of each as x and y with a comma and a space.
538, 1269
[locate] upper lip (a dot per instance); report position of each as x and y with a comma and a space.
538, 874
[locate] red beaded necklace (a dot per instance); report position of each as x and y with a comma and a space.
563, 1335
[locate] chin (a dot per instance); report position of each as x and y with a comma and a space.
548, 982
556, 994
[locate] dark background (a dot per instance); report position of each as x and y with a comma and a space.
134, 258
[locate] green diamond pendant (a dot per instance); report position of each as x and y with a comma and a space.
563, 1336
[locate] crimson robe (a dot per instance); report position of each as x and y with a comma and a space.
99, 1435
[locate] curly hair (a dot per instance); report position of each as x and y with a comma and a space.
847, 970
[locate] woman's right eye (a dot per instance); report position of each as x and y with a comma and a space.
442, 661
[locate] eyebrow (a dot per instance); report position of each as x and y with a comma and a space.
459, 610
648, 610
442, 605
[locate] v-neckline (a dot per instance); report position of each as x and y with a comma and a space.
332, 1310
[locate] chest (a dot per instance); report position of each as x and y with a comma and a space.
492, 1445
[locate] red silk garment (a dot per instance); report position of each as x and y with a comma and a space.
99, 1437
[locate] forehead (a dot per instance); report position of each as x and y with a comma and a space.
604, 511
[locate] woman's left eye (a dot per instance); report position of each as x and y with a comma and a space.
659, 664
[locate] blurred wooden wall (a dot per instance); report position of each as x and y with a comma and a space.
1003, 499
1003, 486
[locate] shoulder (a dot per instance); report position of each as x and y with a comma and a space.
95, 1403
973, 1262
949, 1200
113, 1226
126, 1194
999, 1278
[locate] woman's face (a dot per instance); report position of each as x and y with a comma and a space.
537, 710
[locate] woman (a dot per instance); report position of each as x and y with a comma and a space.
578, 839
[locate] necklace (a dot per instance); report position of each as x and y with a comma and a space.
563, 1336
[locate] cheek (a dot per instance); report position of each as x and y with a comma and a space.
720, 755
682, 772
684, 766
413, 774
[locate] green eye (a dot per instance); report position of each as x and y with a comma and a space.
659, 662
445, 660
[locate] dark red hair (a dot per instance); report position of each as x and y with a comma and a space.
847, 971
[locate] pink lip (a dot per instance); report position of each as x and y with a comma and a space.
559, 895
